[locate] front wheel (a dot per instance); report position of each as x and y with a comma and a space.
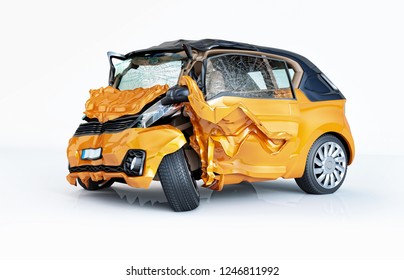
177, 182
326, 166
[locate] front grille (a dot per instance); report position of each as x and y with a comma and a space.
113, 126
96, 168
89, 128
126, 166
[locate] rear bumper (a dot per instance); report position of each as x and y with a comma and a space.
119, 149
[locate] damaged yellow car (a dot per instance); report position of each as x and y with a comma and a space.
220, 111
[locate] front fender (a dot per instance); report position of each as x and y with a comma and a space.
156, 141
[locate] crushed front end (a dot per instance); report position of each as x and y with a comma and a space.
132, 154
123, 137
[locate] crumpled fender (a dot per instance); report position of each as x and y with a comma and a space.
156, 141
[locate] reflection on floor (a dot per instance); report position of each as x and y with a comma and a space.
42, 216
274, 194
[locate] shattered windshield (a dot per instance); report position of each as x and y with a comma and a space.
149, 70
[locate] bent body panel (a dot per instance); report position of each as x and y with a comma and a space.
156, 141
241, 139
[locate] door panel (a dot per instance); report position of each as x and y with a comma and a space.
261, 88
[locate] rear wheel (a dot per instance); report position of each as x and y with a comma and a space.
179, 187
326, 166
96, 185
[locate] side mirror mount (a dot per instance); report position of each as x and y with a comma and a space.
176, 94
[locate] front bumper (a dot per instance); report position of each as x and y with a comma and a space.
150, 145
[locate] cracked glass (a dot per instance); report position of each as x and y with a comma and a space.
247, 76
148, 71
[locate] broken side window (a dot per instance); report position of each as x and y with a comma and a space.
247, 76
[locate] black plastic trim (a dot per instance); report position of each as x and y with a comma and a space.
96, 168
317, 89
188, 50
112, 55
175, 94
94, 127
123, 168
128, 161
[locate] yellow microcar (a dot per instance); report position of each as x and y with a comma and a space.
220, 111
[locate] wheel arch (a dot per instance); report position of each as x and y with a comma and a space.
340, 135
298, 163
344, 141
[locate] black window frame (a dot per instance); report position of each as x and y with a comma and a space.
204, 71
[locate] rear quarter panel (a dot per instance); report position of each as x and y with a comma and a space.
318, 118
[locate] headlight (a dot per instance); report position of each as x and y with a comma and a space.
154, 113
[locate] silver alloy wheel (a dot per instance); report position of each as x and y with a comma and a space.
329, 165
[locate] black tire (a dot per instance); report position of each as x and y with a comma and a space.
179, 187
314, 180
96, 185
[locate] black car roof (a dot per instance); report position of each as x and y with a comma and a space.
313, 83
208, 44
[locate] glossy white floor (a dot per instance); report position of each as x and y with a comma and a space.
43, 217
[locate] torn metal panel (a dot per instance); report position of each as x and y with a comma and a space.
159, 140
219, 133
110, 103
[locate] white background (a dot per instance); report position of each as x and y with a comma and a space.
53, 52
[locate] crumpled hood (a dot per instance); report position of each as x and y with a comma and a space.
110, 103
